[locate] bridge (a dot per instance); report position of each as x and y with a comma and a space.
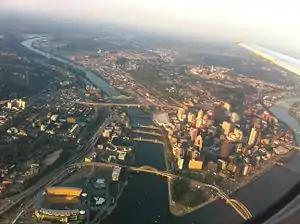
240, 208
120, 97
291, 146
139, 131
148, 126
106, 104
140, 139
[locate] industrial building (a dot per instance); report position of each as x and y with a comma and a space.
61, 204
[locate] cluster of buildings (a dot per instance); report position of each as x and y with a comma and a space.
220, 73
50, 115
12, 179
10, 108
119, 78
114, 146
220, 141
64, 123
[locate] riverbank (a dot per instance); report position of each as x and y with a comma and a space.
294, 111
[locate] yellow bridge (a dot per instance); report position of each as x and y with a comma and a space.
238, 206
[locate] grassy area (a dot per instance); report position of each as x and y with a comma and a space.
187, 195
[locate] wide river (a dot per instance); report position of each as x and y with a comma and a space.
145, 198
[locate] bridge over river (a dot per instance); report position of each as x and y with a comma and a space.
238, 206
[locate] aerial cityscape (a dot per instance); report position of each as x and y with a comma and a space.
107, 125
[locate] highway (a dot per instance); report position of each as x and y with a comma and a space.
53, 177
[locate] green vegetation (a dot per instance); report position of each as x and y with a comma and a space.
180, 187
294, 110
146, 75
187, 195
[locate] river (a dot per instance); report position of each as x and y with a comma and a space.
145, 198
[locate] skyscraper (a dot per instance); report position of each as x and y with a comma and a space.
191, 117
193, 133
225, 149
226, 126
181, 114
234, 117
227, 106
199, 122
199, 141
253, 136
200, 115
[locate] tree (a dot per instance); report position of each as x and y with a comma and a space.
179, 188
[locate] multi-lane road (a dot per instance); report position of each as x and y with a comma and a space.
52, 178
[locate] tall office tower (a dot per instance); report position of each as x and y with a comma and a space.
257, 123
193, 154
193, 133
191, 117
234, 117
238, 134
253, 136
218, 114
226, 126
227, 106
225, 149
180, 163
181, 114
9, 105
200, 114
215, 114
199, 142
199, 122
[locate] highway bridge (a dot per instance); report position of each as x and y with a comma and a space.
140, 139
148, 126
139, 131
111, 104
291, 146
105, 104
240, 208
120, 97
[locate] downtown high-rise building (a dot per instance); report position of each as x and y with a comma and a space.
225, 149
199, 142
193, 133
253, 136
234, 117
200, 115
227, 127
191, 117
227, 106
181, 114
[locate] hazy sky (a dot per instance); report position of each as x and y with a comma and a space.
253, 20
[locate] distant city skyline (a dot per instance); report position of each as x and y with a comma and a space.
267, 22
